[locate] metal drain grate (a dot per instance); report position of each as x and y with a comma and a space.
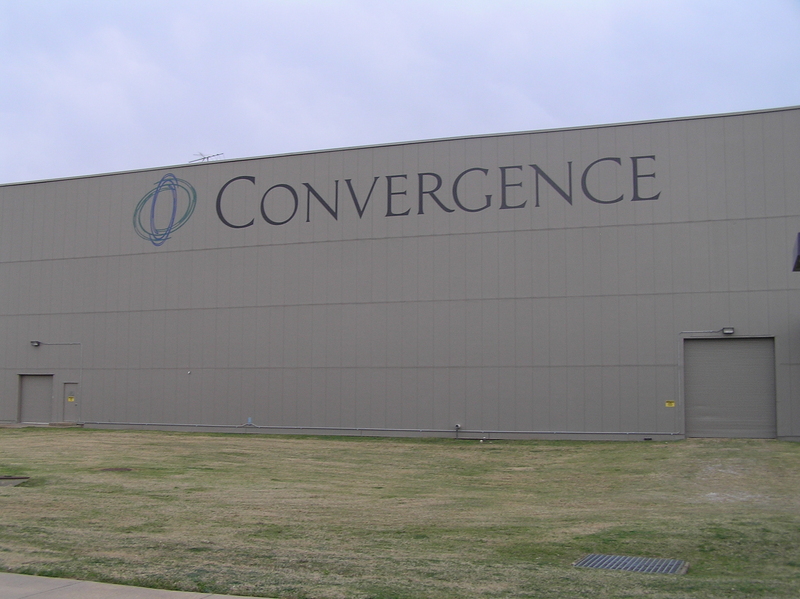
653, 565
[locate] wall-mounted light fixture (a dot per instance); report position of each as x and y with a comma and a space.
723, 330
36, 343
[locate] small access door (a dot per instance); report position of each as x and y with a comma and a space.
71, 402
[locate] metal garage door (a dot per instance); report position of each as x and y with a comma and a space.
730, 387
36, 398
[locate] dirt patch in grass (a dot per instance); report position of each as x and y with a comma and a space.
352, 517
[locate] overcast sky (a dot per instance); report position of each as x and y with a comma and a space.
99, 86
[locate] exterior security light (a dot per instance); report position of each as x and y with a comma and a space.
36, 343
727, 331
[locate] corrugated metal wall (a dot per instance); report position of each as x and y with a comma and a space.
535, 314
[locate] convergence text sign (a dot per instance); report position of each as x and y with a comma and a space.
403, 194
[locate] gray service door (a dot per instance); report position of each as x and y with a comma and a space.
730, 388
36, 398
70, 402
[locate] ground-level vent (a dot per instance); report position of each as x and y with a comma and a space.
652, 565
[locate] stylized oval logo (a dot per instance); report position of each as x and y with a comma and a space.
170, 188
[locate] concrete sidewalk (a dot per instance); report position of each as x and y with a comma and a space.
21, 586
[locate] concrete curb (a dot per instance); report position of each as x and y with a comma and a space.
22, 586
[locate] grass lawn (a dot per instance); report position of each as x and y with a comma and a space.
334, 517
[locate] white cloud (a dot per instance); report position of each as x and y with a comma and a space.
96, 86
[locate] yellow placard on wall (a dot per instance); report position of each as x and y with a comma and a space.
71, 398
669, 403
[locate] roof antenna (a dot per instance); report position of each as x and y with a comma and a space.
204, 157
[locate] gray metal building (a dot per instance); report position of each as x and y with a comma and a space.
622, 281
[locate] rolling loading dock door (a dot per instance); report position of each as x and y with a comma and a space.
730, 387
35, 398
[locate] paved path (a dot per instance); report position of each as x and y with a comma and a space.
20, 586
